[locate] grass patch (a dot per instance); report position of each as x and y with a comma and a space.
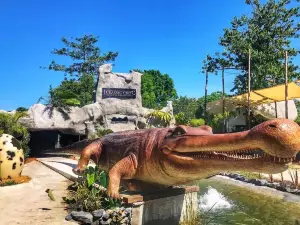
14, 181
8, 183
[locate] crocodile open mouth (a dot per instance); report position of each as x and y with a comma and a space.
231, 155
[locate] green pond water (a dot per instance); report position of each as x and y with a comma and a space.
246, 205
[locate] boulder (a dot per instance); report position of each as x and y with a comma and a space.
83, 217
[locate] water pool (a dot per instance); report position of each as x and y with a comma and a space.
223, 201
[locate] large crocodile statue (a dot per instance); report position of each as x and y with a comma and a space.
160, 157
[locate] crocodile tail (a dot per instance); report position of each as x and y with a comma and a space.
73, 149
92, 151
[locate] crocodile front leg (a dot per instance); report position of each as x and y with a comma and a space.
124, 169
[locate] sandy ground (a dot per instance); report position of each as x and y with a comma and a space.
29, 203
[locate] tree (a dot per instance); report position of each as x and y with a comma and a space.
156, 89
185, 109
80, 91
214, 96
22, 109
60, 98
85, 55
268, 32
81, 75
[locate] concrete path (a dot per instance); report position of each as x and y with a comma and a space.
62, 165
29, 203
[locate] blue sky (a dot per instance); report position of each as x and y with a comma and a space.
172, 36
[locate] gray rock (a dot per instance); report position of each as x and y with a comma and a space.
281, 188
263, 182
105, 222
105, 216
68, 217
272, 185
258, 182
81, 216
241, 178
98, 213
86, 120
97, 222
128, 211
293, 190
124, 221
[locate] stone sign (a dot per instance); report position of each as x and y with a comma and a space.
123, 93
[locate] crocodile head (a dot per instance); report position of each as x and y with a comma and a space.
268, 148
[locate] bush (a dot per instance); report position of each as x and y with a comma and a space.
90, 193
196, 122
9, 124
159, 115
181, 119
103, 132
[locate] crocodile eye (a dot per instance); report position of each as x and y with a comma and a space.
179, 131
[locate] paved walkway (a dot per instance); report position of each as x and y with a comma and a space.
29, 203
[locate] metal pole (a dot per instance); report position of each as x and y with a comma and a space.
286, 86
223, 99
205, 98
249, 88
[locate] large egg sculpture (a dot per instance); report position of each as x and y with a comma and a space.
11, 157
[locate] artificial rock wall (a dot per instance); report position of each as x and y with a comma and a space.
118, 107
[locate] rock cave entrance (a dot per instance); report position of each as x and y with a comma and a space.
43, 140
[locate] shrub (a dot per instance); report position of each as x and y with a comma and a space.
8, 183
160, 115
181, 119
90, 193
196, 122
103, 132
9, 124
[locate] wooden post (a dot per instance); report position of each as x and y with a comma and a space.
249, 88
286, 86
205, 97
223, 99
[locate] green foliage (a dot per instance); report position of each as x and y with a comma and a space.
9, 124
268, 32
21, 109
188, 107
214, 96
85, 55
103, 132
196, 122
81, 75
162, 116
79, 92
59, 98
181, 119
215, 120
157, 89
185, 109
8, 183
297, 103
89, 192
